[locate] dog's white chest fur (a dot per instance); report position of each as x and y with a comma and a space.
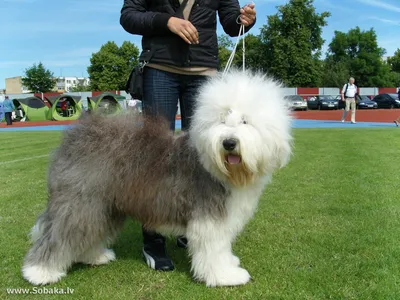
241, 206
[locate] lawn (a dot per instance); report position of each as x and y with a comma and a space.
328, 227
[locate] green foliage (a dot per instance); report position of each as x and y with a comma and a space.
334, 75
292, 43
225, 46
81, 88
110, 67
253, 52
38, 79
394, 64
358, 54
394, 61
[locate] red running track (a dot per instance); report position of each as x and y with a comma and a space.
39, 123
362, 115
368, 115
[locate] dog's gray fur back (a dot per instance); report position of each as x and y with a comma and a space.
141, 171
108, 168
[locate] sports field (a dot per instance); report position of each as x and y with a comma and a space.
328, 227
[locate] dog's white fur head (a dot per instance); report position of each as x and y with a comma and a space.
241, 127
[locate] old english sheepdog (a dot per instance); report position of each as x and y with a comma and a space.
204, 184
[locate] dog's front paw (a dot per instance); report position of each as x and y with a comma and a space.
229, 277
235, 261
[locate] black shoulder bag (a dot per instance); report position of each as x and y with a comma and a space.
134, 85
345, 91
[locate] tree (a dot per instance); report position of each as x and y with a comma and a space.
292, 43
111, 65
38, 79
358, 54
225, 46
81, 88
334, 75
253, 52
394, 61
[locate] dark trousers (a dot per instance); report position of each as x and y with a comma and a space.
8, 118
161, 92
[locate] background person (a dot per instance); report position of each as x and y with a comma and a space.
397, 121
64, 108
349, 93
8, 108
182, 51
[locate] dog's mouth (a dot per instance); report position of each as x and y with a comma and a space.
233, 159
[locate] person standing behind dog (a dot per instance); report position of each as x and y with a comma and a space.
398, 119
8, 108
180, 45
349, 93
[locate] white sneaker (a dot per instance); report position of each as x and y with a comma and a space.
353, 122
342, 121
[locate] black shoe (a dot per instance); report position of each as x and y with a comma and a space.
154, 252
181, 242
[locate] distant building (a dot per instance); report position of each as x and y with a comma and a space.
65, 84
14, 86
385, 58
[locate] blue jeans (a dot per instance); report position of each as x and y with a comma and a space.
162, 90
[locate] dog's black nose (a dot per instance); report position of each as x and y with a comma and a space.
229, 144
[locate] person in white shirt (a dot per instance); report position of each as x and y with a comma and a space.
349, 92
135, 105
132, 104
397, 121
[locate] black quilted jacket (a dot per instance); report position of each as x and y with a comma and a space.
149, 18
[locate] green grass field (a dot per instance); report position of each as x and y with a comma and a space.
328, 227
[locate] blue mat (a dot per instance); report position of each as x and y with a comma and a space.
338, 124
296, 124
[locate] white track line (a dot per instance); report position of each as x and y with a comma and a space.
22, 159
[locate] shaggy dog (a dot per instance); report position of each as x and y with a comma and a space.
204, 184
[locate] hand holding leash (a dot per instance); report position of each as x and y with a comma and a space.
248, 14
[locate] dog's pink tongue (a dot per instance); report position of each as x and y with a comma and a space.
233, 159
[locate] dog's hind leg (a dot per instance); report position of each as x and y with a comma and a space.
47, 260
67, 235
211, 252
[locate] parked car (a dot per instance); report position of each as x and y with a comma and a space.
387, 101
322, 102
296, 102
365, 102
361, 102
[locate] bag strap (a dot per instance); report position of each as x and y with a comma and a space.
188, 9
181, 8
